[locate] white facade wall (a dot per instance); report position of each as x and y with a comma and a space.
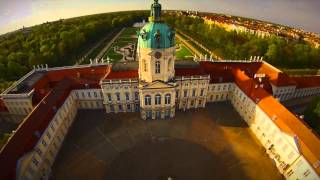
121, 95
19, 106
191, 92
38, 162
302, 92
279, 146
219, 92
89, 98
158, 110
284, 92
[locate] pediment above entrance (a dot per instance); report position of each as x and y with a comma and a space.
157, 85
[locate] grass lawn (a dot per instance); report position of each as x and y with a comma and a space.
113, 55
123, 40
128, 32
183, 53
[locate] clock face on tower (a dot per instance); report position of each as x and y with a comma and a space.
158, 55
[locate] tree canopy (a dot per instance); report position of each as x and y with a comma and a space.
57, 43
312, 114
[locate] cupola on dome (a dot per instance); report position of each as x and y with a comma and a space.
156, 34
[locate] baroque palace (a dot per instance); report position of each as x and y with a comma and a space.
45, 102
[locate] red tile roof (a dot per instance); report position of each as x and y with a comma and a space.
289, 123
307, 81
55, 86
24, 139
130, 74
285, 120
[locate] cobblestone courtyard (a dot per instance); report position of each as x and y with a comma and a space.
210, 143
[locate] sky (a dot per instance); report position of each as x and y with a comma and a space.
305, 14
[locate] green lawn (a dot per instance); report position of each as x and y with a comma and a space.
128, 32
113, 55
124, 39
183, 53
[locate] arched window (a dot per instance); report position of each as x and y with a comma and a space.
157, 67
169, 65
158, 99
168, 99
147, 100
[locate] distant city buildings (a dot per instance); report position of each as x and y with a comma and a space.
259, 28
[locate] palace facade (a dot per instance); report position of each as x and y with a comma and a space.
45, 102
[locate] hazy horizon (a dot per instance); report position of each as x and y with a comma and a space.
299, 14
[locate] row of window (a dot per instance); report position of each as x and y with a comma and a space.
187, 84
127, 96
52, 128
221, 87
120, 86
157, 100
89, 94
167, 114
157, 67
218, 97
280, 91
20, 110
128, 106
18, 103
185, 93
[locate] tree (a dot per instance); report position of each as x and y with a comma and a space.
2, 71
312, 114
272, 53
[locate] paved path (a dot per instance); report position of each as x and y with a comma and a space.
104, 50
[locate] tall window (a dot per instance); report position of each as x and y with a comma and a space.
193, 92
168, 99
158, 99
158, 67
185, 93
147, 100
127, 96
118, 96
136, 95
109, 97
202, 92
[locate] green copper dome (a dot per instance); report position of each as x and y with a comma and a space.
156, 34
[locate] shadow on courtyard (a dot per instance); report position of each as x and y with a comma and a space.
209, 143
